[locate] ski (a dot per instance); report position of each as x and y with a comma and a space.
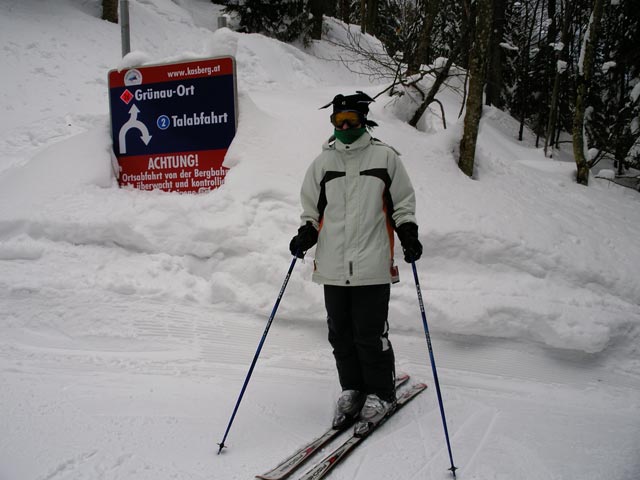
293, 462
322, 468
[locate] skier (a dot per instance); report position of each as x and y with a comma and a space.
354, 195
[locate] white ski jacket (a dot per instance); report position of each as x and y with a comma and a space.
355, 195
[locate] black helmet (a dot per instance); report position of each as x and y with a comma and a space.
359, 102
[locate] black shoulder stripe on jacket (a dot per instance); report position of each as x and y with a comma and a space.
383, 175
322, 200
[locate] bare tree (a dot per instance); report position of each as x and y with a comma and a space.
542, 65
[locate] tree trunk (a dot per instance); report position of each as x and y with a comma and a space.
372, 17
561, 55
524, 74
553, 109
317, 9
440, 79
433, 91
585, 73
620, 149
477, 70
467, 25
431, 9
496, 56
466, 39
110, 10
549, 56
344, 11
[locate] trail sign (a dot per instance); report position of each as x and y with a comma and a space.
172, 124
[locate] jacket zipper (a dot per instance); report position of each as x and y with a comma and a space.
351, 269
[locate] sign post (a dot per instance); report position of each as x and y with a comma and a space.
173, 124
125, 35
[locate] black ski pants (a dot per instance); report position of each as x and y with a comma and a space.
358, 332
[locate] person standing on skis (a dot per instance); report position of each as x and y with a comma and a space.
355, 194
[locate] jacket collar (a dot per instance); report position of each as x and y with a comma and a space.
362, 142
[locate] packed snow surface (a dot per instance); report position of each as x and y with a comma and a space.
128, 319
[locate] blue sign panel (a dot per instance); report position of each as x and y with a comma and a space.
172, 124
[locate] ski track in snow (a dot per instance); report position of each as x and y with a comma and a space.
186, 344
185, 341
483, 441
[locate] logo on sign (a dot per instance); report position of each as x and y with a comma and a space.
133, 77
126, 96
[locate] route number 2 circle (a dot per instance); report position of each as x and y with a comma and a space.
163, 122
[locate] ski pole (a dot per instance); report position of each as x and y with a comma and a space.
433, 365
257, 354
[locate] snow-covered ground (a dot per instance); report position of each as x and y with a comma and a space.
128, 319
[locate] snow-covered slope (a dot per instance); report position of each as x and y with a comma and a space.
128, 319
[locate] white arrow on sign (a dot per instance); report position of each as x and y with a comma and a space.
133, 122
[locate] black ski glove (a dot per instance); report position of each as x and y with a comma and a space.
411, 246
305, 239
